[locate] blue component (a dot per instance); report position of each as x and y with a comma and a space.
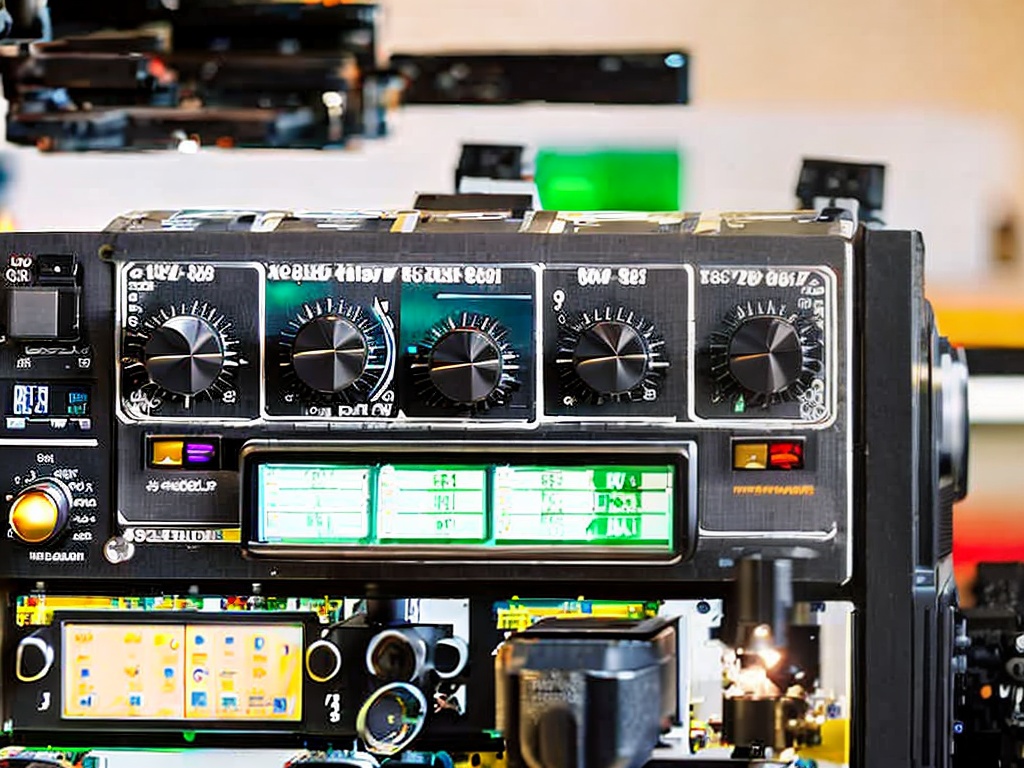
958, 727
199, 699
280, 706
168, 673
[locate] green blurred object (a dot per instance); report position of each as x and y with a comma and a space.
609, 179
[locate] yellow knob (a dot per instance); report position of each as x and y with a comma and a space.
38, 513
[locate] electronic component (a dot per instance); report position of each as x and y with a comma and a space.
587, 692
537, 506
477, 405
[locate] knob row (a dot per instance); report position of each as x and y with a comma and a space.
469, 362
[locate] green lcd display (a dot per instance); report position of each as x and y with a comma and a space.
314, 502
431, 504
584, 506
488, 506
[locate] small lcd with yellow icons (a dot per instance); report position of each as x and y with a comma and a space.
123, 671
183, 671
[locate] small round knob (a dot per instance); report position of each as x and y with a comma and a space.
611, 357
323, 661
185, 355
465, 365
329, 354
39, 512
765, 355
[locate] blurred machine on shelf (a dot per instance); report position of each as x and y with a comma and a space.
990, 700
348, 465
266, 73
155, 75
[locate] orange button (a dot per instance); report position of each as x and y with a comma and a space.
34, 517
166, 453
750, 455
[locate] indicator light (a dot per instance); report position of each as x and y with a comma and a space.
786, 455
749, 456
166, 453
182, 452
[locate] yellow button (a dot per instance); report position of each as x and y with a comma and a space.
34, 517
750, 456
166, 453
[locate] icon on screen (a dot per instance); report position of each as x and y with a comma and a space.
229, 640
258, 643
85, 672
200, 640
86, 701
135, 700
229, 702
199, 699
168, 673
280, 706
199, 674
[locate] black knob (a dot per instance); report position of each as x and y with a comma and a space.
185, 355
465, 365
329, 354
765, 355
611, 357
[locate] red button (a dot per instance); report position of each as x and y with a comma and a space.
786, 455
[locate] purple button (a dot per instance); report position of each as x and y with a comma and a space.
202, 454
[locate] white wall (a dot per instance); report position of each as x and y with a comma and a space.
947, 173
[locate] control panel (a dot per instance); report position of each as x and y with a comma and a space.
122, 671
616, 399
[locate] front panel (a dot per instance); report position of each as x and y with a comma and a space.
657, 403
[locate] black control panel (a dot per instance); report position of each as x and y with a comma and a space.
409, 398
258, 672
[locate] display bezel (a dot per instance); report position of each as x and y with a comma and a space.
309, 622
680, 456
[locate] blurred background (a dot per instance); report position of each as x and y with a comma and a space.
690, 104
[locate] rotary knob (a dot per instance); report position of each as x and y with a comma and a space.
468, 362
334, 352
764, 354
611, 355
39, 512
329, 354
184, 355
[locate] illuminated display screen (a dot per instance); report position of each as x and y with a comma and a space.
432, 504
319, 502
606, 506
46, 401
493, 505
248, 672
